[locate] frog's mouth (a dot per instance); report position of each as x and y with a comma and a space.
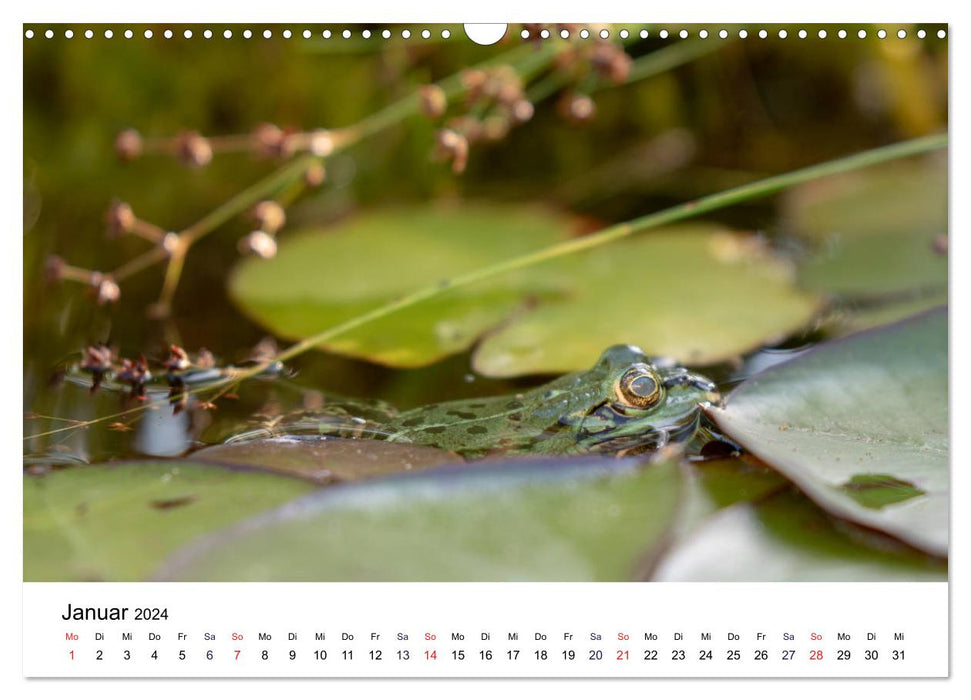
611, 427
608, 428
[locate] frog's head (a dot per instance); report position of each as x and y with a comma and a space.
645, 402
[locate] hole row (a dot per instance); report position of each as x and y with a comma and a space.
246, 34
525, 34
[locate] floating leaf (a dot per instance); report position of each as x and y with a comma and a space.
585, 519
865, 267
328, 461
879, 231
874, 403
323, 277
899, 198
787, 538
115, 522
694, 292
848, 320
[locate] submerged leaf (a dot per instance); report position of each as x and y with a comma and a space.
116, 522
588, 519
874, 403
695, 292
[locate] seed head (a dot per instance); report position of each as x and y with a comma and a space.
611, 62
269, 216
171, 242
268, 140
54, 268
128, 145
178, 360
314, 175
522, 110
98, 361
578, 108
121, 219
194, 149
258, 243
433, 101
473, 80
136, 374
321, 143
467, 126
453, 148
107, 290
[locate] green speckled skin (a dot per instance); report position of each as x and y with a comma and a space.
579, 412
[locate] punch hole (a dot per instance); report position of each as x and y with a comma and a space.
485, 34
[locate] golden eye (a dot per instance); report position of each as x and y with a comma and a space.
638, 387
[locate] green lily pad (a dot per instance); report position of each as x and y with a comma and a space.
323, 277
899, 198
849, 319
116, 522
863, 267
328, 461
788, 538
874, 403
878, 232
586, 519
695, 292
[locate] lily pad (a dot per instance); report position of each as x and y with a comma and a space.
326, 276
878, 232
847, 320
899, 198
583, 519
328, 461
874, 403
865, 267
697, 292
788, 538
116, 522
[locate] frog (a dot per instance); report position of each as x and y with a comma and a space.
626, 402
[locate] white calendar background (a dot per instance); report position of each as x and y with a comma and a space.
918, 611
494, 630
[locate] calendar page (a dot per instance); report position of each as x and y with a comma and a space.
525, 350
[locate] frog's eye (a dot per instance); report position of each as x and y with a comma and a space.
638, 387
